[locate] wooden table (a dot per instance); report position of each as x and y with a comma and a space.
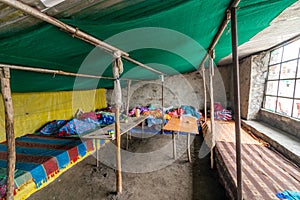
101, 134
185, 124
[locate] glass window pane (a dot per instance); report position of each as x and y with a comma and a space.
270, 103
296, 111
286, 88
288, 69
297, 91
272, 87
291, 51
274, 72
276, 56
284, 106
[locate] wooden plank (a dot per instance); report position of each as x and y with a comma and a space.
184, 124
9, 128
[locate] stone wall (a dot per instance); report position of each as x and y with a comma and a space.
287, 124
259, 66
186, 89
245, 81
253, 71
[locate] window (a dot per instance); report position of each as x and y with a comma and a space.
282, 93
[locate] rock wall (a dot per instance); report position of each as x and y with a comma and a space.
259, 68
287, 124
183, 89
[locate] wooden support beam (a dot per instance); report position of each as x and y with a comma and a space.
162, 103
73, 31
9, 128
118, 143
237, 109
128, 96
117, 70
223, 26
60, 72
212, 117
204, 92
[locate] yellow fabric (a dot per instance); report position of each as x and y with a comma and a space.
33, 110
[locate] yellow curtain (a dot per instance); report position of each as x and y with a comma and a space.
33, 110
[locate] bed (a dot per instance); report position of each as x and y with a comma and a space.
40, 159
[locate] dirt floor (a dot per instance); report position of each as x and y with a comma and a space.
178, 179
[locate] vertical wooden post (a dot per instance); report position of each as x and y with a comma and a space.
117, 70
204, 91
237, 110
162, 103
212, 117
118, 141
9, 127
128, 96
127, 109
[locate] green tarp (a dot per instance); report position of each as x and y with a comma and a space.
171, 36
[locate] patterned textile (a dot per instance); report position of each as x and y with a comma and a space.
40, 158
53, 127
75, 126
107, 118
224, 115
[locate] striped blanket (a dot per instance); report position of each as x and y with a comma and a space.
41, 158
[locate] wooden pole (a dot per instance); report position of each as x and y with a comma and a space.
128, 96
74, 31
212, 117
9, 128
117, 70
60, 72
118, 141
127, 109
220, 31
237, 109
162, 103
204, 91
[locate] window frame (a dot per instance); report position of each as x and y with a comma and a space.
295, 78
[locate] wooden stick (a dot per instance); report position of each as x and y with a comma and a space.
60, 72
9, 128
188, 147
174, 145
162, 104
128, 96
118, 141
204, 91
74, 31
127, 108
212, 117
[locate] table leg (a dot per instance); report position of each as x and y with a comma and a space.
142, 129
127, 140
188, 148
174, 144
97, 153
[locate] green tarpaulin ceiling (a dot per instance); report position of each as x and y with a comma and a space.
170, 36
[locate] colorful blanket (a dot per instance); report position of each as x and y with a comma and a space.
40, 158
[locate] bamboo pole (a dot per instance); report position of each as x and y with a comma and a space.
162, 104
127, 109
212, 117
60, 72
9, 128
74, 31
204, 91
128, 96
237, 110
118, 141
220, 31
117, 70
